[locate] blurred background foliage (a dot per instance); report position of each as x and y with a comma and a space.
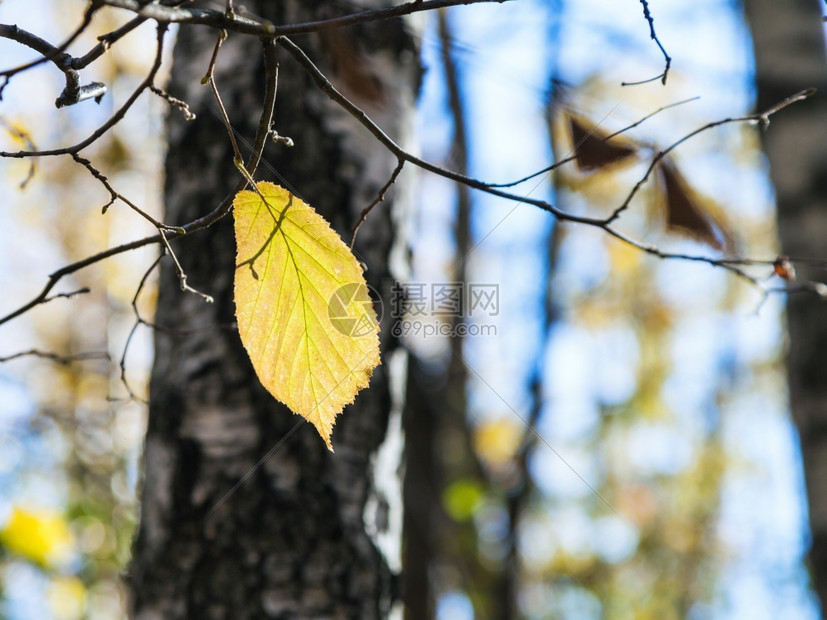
618, 447
70, 435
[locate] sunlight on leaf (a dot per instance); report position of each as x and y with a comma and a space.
302, 304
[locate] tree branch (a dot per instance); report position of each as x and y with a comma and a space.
763, 118
106, 41
234, 22
64, 360
264, 130
114, 119
562, 216
73, 92
662, 77
55, 277
87, 19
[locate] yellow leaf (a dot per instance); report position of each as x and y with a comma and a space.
303, 310
42, 536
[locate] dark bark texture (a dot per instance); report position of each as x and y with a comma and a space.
790, 55
302, 535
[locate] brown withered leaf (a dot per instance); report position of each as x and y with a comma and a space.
593, 150
683, 213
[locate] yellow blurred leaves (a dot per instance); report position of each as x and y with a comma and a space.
39, 535
496, 441
67, 598
303, 310
624, 258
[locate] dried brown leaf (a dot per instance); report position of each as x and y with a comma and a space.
592, 148
684, 213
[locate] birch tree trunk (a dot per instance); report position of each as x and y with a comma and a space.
790, 55
244, 512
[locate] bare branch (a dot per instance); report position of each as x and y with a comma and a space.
81, 291
324, 84
758, 117
27, 140
379, 198
182, 276
114, 119
114, 195
138, 321
571, 157
87, 19
265, 123
654, 37
64, 360
650, 115
106, 41
74, 92
54, 278
232, 21
181, 105
271, 68
562, 216
209, 78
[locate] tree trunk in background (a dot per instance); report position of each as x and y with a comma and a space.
307, 534
790, 55
442, 553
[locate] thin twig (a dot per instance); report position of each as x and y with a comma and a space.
138, 321
265, 123
654, 37
570, 156
759, 117
105, 42
209, 78
66, 270
114, 195
81, 291
266, 118
650, 115
182, 276
64, 360
177, 103
379, 198
27, 140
